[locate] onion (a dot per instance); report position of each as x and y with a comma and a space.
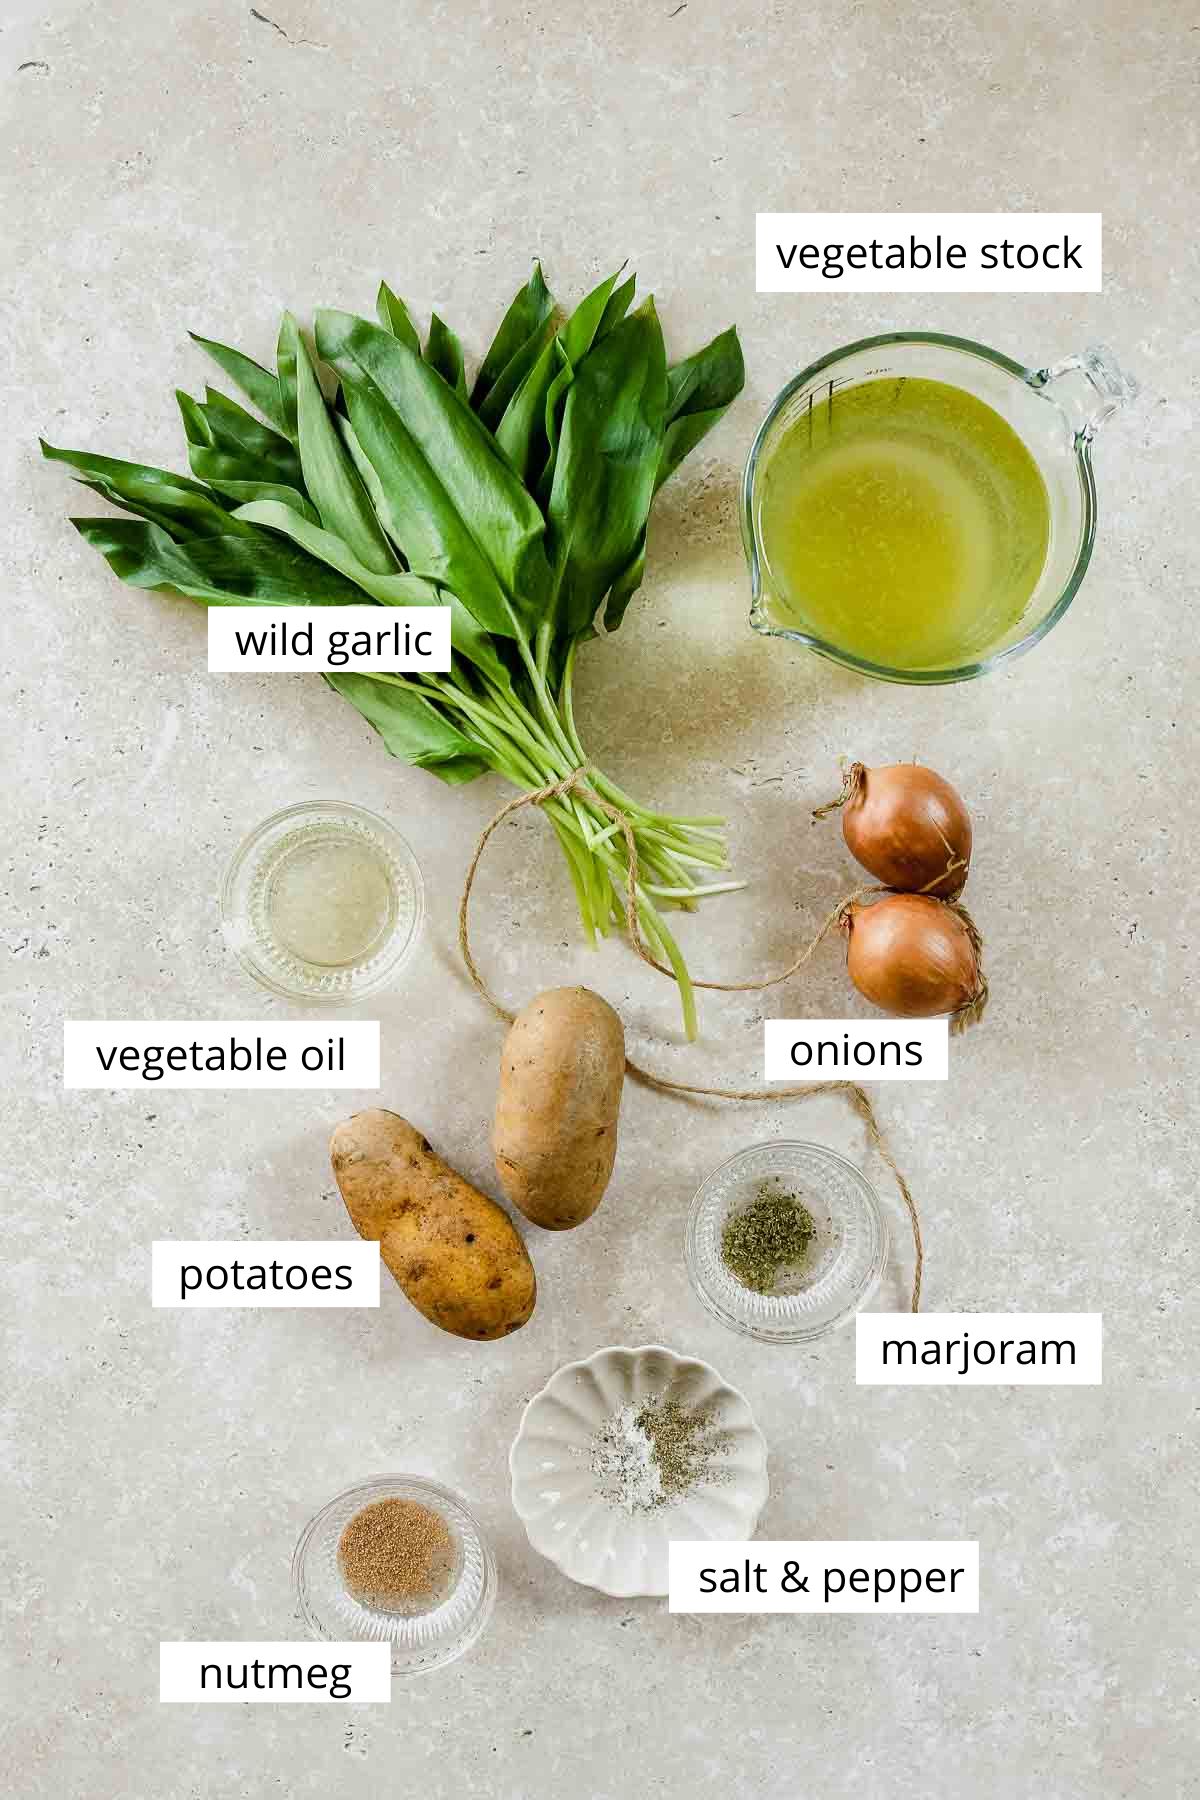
917, 958
908, 827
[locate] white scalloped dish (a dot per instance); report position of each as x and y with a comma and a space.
557, 1492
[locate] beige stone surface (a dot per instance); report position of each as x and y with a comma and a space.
196, 165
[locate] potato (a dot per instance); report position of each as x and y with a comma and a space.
456, 1254
555, 1132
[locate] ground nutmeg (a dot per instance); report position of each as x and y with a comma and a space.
397, 1555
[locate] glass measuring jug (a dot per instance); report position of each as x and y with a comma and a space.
1054, 413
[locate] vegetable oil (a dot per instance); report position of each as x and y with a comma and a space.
322, 902
330, 898
904, 521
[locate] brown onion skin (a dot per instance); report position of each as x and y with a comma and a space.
898, 822
912, 956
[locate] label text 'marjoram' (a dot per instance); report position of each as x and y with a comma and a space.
961, 1354
979, 1349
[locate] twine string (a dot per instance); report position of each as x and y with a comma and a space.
857, 1096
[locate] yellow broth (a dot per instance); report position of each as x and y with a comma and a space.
904, 521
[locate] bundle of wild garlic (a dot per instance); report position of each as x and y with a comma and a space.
522, 502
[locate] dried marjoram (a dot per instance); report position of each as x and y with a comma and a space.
771, 1235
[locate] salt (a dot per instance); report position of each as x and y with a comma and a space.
622, 1458
650, 1454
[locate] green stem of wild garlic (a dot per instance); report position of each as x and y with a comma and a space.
518, 748
618, 796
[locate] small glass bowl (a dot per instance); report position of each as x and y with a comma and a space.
420, 1641
277, 860
846, 1258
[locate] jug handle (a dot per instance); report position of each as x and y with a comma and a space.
1089, 387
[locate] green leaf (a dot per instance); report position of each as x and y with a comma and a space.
329, 474
245, 493
182, 507
530, 308
285, 362
521, 433
146, 510
394, 589
180, 511
457, 509
608, 454
420, 517
709, 378
528, 430
217, 467
625, 586
226, 443
254, 570
578, 333
394, 317
237, 431
444, 353
618, 305
258, 384
112, 468
492, 407
580, 329
699, 390
555, 401
376, 492
196, 428
411, 727
467, 637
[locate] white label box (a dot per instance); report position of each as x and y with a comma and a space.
928, 253
810, 1576
983, 1349
345, 639
216, 1673
856, 1049
220, 1053
263, 1272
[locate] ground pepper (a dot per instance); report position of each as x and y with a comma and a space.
651, 1454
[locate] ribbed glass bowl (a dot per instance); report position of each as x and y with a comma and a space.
845, 1259
420, 1641
282, 852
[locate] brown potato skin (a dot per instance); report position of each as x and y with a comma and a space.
456, 1254
554, 1137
